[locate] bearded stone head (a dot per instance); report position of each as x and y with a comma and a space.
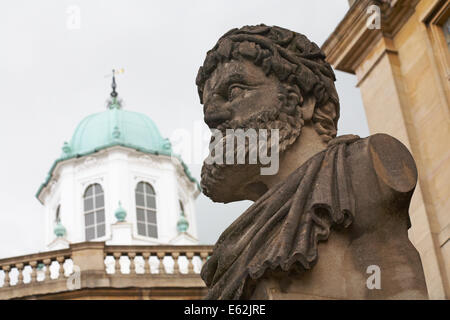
260, 77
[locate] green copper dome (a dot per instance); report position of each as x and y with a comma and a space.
116, 126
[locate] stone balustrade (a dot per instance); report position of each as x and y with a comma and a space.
155, 259
84, 268
33, 268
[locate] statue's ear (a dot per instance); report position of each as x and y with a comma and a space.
308, 107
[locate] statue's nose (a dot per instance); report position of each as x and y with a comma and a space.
214, 117
216, 111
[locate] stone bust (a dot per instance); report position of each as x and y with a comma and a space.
344, 197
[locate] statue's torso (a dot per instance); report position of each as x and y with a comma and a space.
383, 179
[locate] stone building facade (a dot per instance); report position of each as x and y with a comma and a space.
399, 52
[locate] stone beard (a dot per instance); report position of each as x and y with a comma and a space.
260, 77
213, 175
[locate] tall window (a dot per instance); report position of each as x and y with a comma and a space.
94, 212
146, 210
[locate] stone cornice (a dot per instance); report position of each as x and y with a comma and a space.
351, 41
52, 175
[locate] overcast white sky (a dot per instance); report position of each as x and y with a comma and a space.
52, 76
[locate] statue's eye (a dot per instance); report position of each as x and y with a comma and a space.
234, 91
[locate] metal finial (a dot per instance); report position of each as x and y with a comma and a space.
113, 85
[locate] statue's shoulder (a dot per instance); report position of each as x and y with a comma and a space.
390, 159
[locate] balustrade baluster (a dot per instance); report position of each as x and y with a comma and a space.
19, 267
33, 274
204, 257
7, 280
146, 257
161, 268
117, 256
131, 256
61, 267
47, 263
190, 256
176, 266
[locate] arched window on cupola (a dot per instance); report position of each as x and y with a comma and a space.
94, 212
146, 210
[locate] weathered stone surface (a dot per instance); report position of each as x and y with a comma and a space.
352, 193
92, 280
402, 72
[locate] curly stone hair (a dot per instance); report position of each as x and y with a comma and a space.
292, 58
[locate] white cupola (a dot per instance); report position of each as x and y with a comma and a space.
118, 181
